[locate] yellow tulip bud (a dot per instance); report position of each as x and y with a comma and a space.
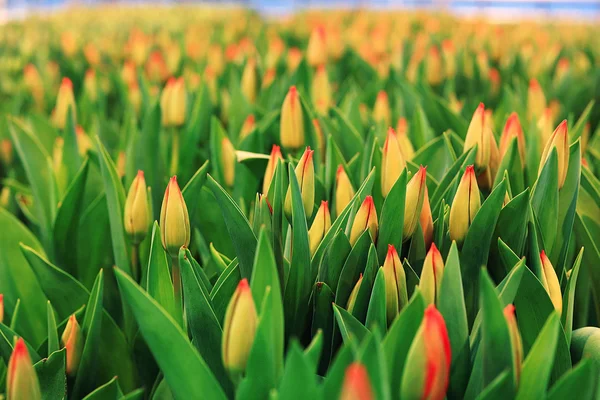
396, 296
321, 90
292, 123
174, 220
353, 295
64, 101
431, 275
536, 101
316, 52
545, 125
406, 147
550, 282
248, 83
305, 173
84, 143
90, 85
415, 194
121, 164
434, 67
271, 165
344, 192
512, 129
294, 58
135, 97
381, 109
365, 219
478, 134
319, 228
247, 127
560, 141
465, 205
269, 78
72, 340
392, 163
449, 57
21, 379
516, 343
426, 220
137, 213
228, 161
173, 102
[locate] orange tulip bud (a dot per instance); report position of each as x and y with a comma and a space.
479, 134
274, 159
365, 219
512, 129
72, 339
305, 173
64, 101
356, 384
137, 211
228, 161
426, 220
21, 379
249, 83
536, 101
316, 52
247, 127
406, 147
321, 90
559, 141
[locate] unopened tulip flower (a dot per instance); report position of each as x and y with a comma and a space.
319, 228
381, 109
248, 83
356, 384
321, 90
427, 370
134, 95
392, 162
292, 123
72, 340
228, 161
465, 205
6, 152
396, 296
365, 219
305, 173
174, 220
434, 66
316, 52
559, 141
431, 275
268, 78
173, 102
320, 138
121, 164
479, 134
494, 77
449, 57
90, 85
137, 213
84, 143
64, 101
516, 343
562, 69
415, 195
1, 308
426, 220
21, 379
353, 295
545, 125
247, 127
274, 159
550, 282
344, 192
536, 101
512, 129
406, 147
294, 58
241, 321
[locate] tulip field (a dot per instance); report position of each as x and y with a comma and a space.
204, 203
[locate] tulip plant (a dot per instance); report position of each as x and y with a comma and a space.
200, 204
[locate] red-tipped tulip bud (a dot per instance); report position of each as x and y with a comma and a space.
64, 101
269, 78
353, 294
137, 217
356, 384
479, 134
241, 321
321, 90
559, 141
396, 296
249, 84
406, 147
512, 129
21, 379
431, 275
294, 58
344, 192
247, 127
381, 109
316, 53
228, 161
319, 228
90, 85
465, 205
415, 195
72, 340
305, 173
392, 162
516, 343
426, 220
427, 369
274, 159
365, 219
292, 123
550, 282
536, 101
174, 220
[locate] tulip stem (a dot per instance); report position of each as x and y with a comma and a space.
135, 261
175, 151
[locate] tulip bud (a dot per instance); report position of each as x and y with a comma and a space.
174, 220
465, 205
90, 85
516, 343
320, 138
415, 194
449, 57
1, 308
173, 102
434, 67
248, 83
545, 125
134, 96
6, 152
550, 282
137, 213
247, 127
294, 58
478, 134
305, 173
560, 141
292, 123
381, 109
536, 101
319, 228
321, 90
431, 275
344, 192
396, 296
21, 379
64, 101
426, 220
241, 321
274, 159
392, 163
121, 164
356, 384
72, 339
316, 52
562, 69
269, 78
353, 294
228, 161
512, 129
84, 143
427, 369
365, 219
406, 147
165, 102
494, 77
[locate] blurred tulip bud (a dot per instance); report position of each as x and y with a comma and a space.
241, 321
426, 220
365, 219
316, 52
135, 97
64, 101
512, 129
216, 59
449, 57
455, 105
294, 58
396, 296
392, 163
6, 152
434, 67
1, 308
305, 173
72, 340
21, 379
210, 80
320, 138
247, 127
479, 134
248, 83
173, 102
84, 143
321, 90
356, 384
585, 137
415, 194
545, 125
495, 82
406, 147
269, 78
59, 168
427, 369
319, 228
174, 220
274, 52
274, 159
536, 101
431, 275
137, 213
516, 343
90, 85
121, 164
465, 205
353, 294
550, 282
562, 69
559, 141
228, 161
344, 192
292, 123
381, 109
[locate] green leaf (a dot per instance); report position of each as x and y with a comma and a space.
312, 353
51, 374
353, 267
569, 298
498, 388
544, 200
372, 357
332, 386
299, 380
192, 190
53, 344
322, 319
363, 297
582, 379
71, 158
511, 165
109, 391
353, 332
376, 314
224, 288
334, 258
392, 217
